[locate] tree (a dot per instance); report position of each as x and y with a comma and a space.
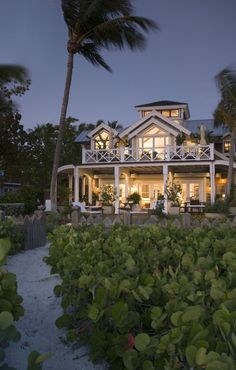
115, 125
94, 25
14, 80
225, 114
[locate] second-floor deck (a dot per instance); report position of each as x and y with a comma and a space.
167, 153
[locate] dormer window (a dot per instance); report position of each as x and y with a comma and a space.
170, 113
102, 140
146, 112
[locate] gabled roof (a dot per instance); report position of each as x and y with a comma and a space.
102, 126
160, 103
156, 115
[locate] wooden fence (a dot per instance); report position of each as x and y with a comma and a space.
34, 230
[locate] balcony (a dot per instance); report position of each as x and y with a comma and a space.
131, 155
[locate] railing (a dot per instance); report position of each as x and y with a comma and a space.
167, 153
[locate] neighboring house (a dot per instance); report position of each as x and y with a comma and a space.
162, 145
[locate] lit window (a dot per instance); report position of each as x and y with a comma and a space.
194, 191
174, 113
227, 146
166, 113
102, 140
145, 191
146, 112
153, 131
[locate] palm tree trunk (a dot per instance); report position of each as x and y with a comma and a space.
53, 187
231, 163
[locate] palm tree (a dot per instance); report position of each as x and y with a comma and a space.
94, 25
225, 114
13, 81
115, 125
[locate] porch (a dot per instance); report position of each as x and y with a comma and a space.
198, 181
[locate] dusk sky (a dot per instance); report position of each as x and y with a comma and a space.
196, 40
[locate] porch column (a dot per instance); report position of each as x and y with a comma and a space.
117, 189
70, 187
165, 180
83, 185
76, 184
212, 182
127, 178
90, 190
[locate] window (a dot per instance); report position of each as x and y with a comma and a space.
146, 112
145, 191
170, 113
227, 146
194, 191
102, 140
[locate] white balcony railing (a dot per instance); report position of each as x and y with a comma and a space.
167, 153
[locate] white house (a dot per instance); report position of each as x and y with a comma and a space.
162, 145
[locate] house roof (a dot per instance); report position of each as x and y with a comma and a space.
83, 137
160, 103
194, 125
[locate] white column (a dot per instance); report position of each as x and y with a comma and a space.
90, 189
127, 178
165, 180
70, 187
83, 185
212, 182
117, 189
76, 184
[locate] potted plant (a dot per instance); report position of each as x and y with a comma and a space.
135, 199
217, 210
173, 193
84, 199
108, 197
95, 198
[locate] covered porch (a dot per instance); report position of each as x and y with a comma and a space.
198, 181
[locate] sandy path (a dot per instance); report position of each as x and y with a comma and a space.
35, 285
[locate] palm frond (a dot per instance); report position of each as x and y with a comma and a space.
90, 51
226, 82
9, 72
71, 12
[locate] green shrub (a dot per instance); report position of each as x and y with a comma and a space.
52, 220
149, 298
135, 198
14, 232
220, 206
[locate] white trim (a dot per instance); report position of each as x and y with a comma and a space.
154, 114
102, 126
66, 167
150, 122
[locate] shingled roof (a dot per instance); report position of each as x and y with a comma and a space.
160, 103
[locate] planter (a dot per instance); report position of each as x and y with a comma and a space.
107, 210
135, 207
232, 210
173, 210
215, 215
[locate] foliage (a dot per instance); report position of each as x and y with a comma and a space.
14, 232
173, 193
159, 209
180, 139
220, 206
52, 221
85, 198
95, 198
26, 194
134, 197
108, 195
152, 298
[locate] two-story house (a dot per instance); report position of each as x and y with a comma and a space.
162, 145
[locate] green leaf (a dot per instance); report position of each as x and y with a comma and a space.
130, 359
201, 357
156, 313
148, 365
190, 353
176, 318
93, 312
43, 358
6, 320
192, 313
141, 341
119, 312
216, 294
5, 246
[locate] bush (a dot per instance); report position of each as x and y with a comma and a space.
135, 198
52, 220
151, 298
220, 206
26, 195
14, 232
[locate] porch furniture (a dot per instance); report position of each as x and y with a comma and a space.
88, 209
188, 207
